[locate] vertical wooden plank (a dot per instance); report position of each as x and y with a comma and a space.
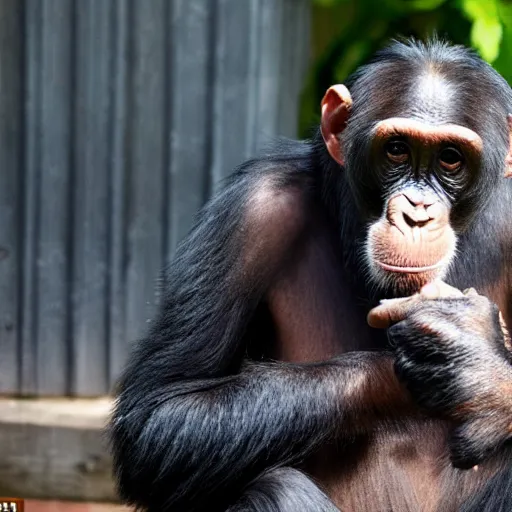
288, 87
254, 64
230, 109
269, 93
189, 54
91, 180
147, 161
31, 195
300, 57
117, 342
280, 40
10, 169
56, 191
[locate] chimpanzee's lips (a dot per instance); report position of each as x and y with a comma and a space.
409, 270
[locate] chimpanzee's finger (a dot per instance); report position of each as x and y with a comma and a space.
391, 311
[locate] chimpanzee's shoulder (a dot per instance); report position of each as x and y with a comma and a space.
289, 165
277, 188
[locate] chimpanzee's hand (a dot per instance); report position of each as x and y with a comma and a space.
451, 353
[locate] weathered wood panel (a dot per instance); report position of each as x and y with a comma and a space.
147, 157
54, 144
119, 120
90, 167
10, 187
190, 112
117, 341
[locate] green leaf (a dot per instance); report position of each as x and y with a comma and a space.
486, 31
480, 10
402, 7
425, 5
486, 38
502, 63
505, 12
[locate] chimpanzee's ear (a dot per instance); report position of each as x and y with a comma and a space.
508, 160
336, 106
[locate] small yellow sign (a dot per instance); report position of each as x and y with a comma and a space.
12, 505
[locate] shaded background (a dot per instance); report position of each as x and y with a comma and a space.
120, 118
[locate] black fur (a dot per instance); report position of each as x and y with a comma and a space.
283, 490
196, 420
495, 497
191, 425
193, 422
447, 364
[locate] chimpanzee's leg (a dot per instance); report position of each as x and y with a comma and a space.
283, 490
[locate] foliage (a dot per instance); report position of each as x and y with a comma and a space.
345, 33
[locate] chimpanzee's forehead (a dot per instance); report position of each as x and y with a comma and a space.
431, 98
426, 93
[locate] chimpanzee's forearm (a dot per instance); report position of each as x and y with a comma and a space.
214, 435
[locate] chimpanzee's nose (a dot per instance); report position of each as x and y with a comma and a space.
415, 214
413, 208
418, 197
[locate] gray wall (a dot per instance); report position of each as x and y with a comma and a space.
118, 118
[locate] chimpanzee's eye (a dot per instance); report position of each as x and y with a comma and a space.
397, 151
450, 158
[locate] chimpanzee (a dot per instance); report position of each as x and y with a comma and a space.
313, 350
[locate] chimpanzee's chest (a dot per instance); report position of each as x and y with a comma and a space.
403, 467
317, 307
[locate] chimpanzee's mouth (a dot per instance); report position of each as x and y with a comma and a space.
409, 270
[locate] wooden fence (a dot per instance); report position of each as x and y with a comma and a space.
117, 120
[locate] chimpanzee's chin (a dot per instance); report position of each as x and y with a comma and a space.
397, 285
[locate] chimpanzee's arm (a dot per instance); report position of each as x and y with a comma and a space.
193, 421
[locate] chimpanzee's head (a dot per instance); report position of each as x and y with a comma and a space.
424, 138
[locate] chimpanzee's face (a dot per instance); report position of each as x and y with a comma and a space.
421, 170
420, 166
